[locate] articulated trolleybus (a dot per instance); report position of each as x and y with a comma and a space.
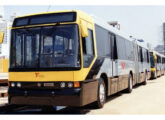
67, 58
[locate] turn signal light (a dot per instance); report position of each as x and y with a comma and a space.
76, 84
8, 84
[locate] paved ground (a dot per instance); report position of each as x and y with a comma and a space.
144, 99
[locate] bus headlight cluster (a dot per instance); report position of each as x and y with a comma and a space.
18, 84
70, 85
66, 85
12, 84
62, 85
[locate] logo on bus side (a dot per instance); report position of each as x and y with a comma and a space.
122, 65
37, 74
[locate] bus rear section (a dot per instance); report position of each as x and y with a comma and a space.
159, 65
68, 59
163, 64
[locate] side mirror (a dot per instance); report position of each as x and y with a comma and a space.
84, 29
1, 37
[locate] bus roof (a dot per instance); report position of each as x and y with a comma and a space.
105, 25
79, 13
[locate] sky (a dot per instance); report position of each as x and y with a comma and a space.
141, 22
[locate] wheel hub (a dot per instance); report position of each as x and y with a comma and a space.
102, 93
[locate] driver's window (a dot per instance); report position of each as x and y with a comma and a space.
88, 49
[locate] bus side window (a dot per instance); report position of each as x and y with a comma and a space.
114, 47
121, 48
88, 49
144, 55
147, 56
141, 55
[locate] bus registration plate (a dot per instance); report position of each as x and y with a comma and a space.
48, 84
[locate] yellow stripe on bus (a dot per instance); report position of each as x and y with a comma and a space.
153, 69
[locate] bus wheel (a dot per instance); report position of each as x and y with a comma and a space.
130, 84
101, 96
145, 79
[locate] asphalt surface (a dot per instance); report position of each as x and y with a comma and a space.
144, 99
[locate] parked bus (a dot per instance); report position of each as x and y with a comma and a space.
69, 58
163, 64
157, 64
144, 59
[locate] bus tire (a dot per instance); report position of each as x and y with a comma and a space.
130, 84
145, 79
101, 95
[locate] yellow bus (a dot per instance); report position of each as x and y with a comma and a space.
157, 64
67, 58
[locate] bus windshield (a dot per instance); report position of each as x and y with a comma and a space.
45, 47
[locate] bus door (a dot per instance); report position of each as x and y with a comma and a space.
114, 84
114, 56
136, 63
140, 64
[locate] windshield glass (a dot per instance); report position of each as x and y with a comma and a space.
45, 47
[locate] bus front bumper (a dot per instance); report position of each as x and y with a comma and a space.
62, 97
65, 97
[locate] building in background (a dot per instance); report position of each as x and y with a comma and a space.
1, 11
160, 49
4, 47
164, 37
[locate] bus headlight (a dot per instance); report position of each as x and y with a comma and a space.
18, 84
70, 85
12, 84
62, 85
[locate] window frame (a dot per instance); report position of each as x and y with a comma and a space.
38, 68
93, 47
107, 34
